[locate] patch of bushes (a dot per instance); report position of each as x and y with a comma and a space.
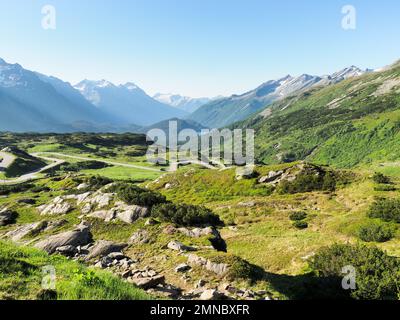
242, 269
83, 165
376, 232
300, 224
381, 178
298, 219
307, 182
96, 182
377, 274
297, 216
186, 215
385, 187
133, 194
385, 209
10, 189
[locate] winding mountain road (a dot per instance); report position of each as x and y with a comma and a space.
118, 164
7, 160
33, 175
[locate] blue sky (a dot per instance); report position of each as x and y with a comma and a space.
197, 47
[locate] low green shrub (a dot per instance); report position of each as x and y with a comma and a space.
133, 194
376, 232
381, 178
242, 269
83, 165
96, 182
307, 182
377, 274
300, 224
10, 189
385, 187
298, 216
185, 215
385, 209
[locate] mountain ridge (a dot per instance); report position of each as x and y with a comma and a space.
235, 108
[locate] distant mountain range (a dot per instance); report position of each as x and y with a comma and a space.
223, 112
181, 102
346, 124
30, 101
128, 103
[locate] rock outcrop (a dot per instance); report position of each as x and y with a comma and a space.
79, 236
103, 248
217, 268
140, 237
7, 217
23, 230
179, 246
58, 206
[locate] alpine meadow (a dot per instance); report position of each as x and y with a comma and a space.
89, 210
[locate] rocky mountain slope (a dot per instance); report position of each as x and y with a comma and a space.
223, 112
353, 122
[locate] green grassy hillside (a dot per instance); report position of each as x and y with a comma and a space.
21, 273
348, 124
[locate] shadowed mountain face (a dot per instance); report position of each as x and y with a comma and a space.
127, 102
31, 101
222, 112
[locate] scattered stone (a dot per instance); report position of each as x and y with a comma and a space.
58, 206
166, 291
103, 248
22, 231
245, 173
169, 230
150, 222
217, 268
211, 294
86, 208
68, 251
7, 217
248, 204
148, 282
79, 236
179, 246
82, 186
272, 176
139, 237
182, 267
200, 284
106, 215
117, 256
199, 232
132, 213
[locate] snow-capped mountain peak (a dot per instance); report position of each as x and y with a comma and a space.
181, 102
13, 75
348, 72
131, 86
